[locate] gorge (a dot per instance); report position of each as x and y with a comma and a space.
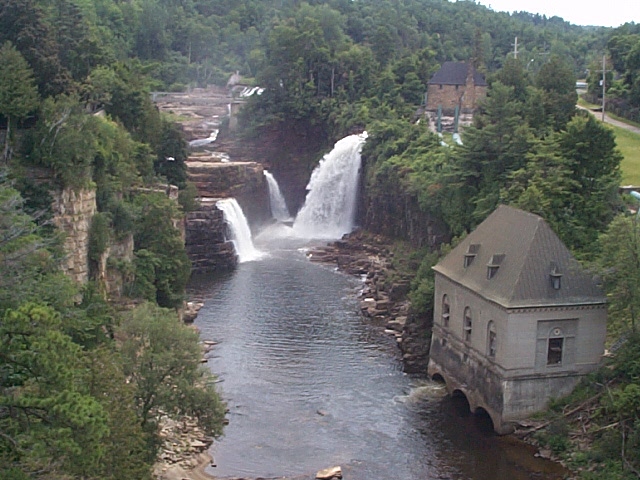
309, 381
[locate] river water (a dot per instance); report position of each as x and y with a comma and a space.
311, 384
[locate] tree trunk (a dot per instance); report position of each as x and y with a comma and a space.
6, 153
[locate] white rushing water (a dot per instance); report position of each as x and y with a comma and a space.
330, 207
201, 142
239, 230
278, 205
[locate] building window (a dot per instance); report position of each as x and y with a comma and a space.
494, 265
440, 86
467, 324
491, 271
555, 277
555, 347
446, 310
491, 339
556, 344
472, 251
457, 87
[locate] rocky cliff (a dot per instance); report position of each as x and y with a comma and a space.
72, 214
243, 181
73, 211
206, 244
394, 212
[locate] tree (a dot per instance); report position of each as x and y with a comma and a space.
24, 23
50, 424
172, 153
590, 148
65, 140
162, 359
620, 264
557, 80
163, 267
18, 92
494, 146
28, 270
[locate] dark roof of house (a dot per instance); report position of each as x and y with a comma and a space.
524, 253
455, 73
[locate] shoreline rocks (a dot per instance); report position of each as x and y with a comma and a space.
183, 446
383, 298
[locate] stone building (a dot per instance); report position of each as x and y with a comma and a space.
456, 84
517, 321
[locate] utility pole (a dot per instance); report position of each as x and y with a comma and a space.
604, 82
515, 48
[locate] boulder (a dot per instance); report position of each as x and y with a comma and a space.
328, 473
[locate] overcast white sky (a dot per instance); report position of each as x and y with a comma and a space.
607, 13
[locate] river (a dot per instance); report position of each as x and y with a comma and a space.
311, 384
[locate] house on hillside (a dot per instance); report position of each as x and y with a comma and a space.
456, 84
517, 321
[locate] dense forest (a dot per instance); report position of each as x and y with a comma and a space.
83, 383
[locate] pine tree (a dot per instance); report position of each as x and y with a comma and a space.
18, 93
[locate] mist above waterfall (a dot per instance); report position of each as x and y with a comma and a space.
278, 205
329, 209
239, 231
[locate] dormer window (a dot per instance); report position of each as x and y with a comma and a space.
555, 277
494, 265
472, 251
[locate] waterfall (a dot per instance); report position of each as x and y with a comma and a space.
201, 142
239, 230
279, 208
329, 209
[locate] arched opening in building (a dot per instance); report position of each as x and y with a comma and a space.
438, 378
460, 403
483, 421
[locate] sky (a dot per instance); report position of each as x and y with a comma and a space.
606, 13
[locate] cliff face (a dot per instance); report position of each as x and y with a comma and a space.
72, 214
396, 213
205, 240
243, 181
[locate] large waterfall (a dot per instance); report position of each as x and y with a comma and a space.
330, 206
238, 230
279, 208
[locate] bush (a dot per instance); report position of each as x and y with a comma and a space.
99, 236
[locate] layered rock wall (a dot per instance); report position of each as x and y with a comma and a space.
72, 214
205, 240
395, 213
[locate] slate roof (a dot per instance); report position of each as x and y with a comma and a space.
526, 252
455, 73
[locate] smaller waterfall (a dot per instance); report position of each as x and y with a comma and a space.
329, 209
201, 142
279, 208
238, 230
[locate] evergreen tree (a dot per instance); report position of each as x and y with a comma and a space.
18, 93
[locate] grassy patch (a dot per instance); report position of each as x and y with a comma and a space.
629, 145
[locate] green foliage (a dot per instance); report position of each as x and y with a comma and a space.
423, 286
161, 260
162, 359
25, 260
188, 198
18, 93
64, 140
99, 236
620, 262
172, 153
48, 417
